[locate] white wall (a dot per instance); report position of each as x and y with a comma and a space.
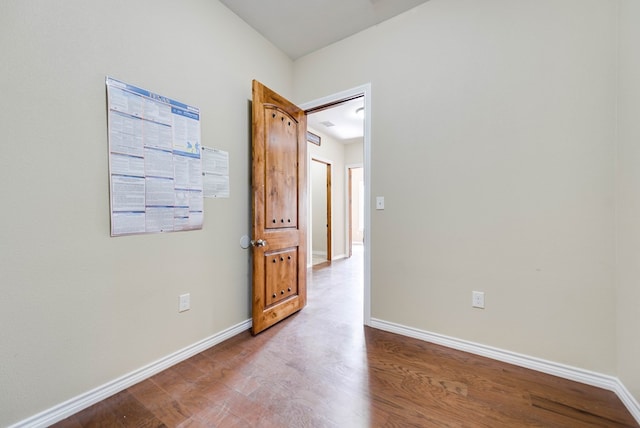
492, 140
78, 307
629, 199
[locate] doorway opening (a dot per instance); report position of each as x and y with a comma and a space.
320, 212
355, 212
349, 222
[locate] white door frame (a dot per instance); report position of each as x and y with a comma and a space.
364, 90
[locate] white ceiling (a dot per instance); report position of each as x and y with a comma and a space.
343, 122
299, 27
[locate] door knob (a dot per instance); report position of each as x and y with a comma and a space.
259, 243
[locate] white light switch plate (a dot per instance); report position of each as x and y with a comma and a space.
379, 202
185, 302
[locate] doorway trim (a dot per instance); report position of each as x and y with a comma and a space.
365, 91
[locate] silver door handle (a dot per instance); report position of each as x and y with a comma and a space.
259, 243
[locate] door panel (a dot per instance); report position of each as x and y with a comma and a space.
282, 266
281, 170
279, 208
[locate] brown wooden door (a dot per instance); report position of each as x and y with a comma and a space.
279, 187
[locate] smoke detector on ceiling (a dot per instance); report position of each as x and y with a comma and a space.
328, 123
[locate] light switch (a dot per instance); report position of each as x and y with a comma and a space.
185, 302
379, 202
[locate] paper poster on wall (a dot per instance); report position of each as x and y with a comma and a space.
215, 173
155, 165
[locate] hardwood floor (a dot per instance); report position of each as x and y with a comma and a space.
322, 368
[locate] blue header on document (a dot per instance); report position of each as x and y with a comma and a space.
176, 106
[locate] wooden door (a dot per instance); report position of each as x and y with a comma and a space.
279, 208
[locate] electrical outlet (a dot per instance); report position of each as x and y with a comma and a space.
477, 299
185, 302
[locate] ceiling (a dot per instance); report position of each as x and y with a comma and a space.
343, 122
299, 27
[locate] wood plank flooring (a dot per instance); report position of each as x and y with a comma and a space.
322, 368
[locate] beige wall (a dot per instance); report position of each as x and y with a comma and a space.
493, 134
79, 308
629, 199
354, 151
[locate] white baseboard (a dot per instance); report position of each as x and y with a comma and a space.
76, 404
628, 400
564, 371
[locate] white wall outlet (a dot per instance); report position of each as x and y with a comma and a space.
379, 202
185, 302
477, 299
